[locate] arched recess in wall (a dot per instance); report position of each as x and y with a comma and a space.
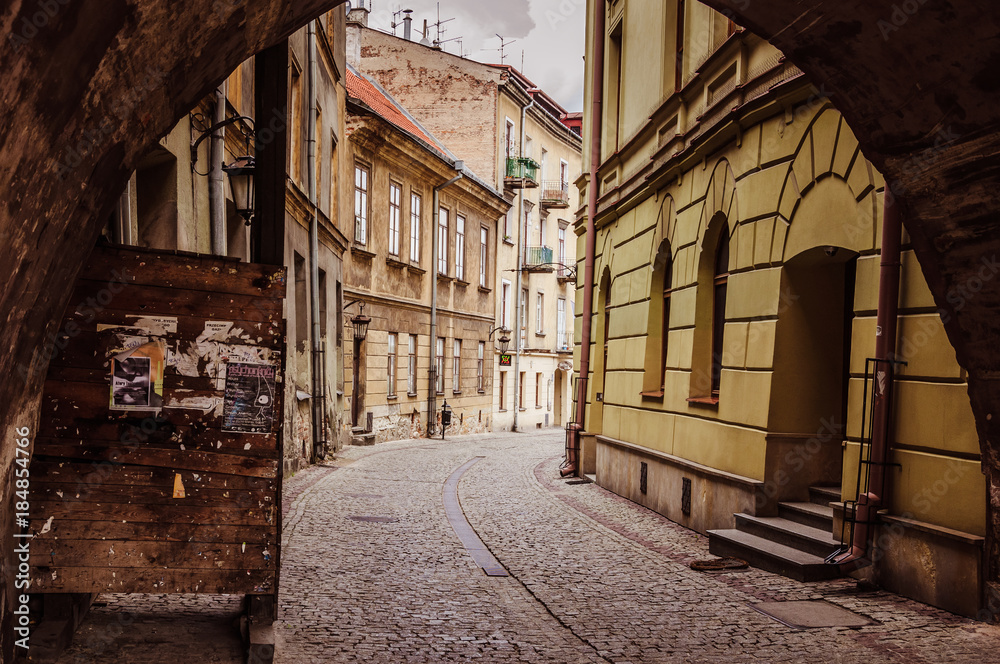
602, 337
661, 280
718, 237
832, 221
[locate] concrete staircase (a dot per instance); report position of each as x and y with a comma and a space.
792, 544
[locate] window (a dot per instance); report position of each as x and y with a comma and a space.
442, 241
456, 367
360, 204
541, 231
524, 317
505, 304
484, 238
719, 307
508, 223
395, 196
439, 366
415, 228
561, 342
503, 390
541, 164
509, 138
527, 147
539, 308
460, 247
561, 251
538, 390
658, 324
564, 176
319, 154
411, 367
295, 107
390, 375
679, 61
520, 392
480, 367
525, 230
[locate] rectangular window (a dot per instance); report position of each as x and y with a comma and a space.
505, 304
541, 231
411, 367
538, 390
481, 367
561, 342
561, 255
539, 308
484, 237
520, 392
524, 317
395, 202
415, 228
508, 224
442, 241
456, 367
509, 138
503, 390
439, 365
390, 374
563, 176
460, 247
528, 147
360, 204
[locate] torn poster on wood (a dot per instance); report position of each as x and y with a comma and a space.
137, 377
248, 406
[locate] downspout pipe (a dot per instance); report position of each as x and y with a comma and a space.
521, 228
432, 374
868, 504
216, 177
590, 240
318, 435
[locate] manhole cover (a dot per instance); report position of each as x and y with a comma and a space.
719, 565
811, 614
373, 519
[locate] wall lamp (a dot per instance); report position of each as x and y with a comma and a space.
503, 339
240, 173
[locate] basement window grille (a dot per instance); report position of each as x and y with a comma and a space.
643, 475
686, 496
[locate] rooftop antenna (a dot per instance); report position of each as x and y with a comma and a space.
438, 24
503, 45
406, 22
522, 60
458, 39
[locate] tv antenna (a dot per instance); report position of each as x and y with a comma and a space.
395, 15
503, 44
437, 25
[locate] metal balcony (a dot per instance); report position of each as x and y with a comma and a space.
522, 173
538, 259
555, 194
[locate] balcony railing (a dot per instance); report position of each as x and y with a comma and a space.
522, 173
555, 194
538, 259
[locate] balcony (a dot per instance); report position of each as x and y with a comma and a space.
522, 173
538, 259
555, 194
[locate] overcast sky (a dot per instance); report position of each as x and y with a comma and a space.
549, 32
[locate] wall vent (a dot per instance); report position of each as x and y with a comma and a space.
686, 496
643, 476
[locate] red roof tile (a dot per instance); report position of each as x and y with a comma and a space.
387, 108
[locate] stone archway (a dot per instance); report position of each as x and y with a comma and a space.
89, 85
917, 82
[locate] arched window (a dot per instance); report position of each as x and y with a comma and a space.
658, 323
719, 306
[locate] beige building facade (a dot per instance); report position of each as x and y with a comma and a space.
735, 294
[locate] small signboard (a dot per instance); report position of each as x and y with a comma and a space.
249, 399
505, 359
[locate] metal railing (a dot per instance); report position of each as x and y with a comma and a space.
519, 168
537, 256
555, 192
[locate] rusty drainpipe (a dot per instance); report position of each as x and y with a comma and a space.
875, 499
593, 190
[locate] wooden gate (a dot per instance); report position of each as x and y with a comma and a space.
157, 466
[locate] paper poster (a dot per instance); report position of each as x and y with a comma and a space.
137, 378
248, 406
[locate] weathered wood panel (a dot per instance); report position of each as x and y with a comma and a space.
160, 498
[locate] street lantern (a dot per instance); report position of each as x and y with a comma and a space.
360, 324
241, 175
504, 341
445, 417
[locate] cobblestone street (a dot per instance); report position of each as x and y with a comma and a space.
592, 577
373, 571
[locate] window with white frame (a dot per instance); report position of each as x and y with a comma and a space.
539, 308
505, 304
439, 365
541, 231
561, 250
390, 374
508, 224
484, 238
442, 240
395, 201
564, 175
524, 318
509, 138
561, 341
415, 228
360, 204
456, 366
411, 367
481, 367
460, 247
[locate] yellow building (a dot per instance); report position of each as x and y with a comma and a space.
738, 235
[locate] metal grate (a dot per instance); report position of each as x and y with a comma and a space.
643, 476
686, 496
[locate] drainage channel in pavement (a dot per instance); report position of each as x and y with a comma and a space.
470, 540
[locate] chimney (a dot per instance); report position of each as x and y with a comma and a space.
425, 41
359, 16
407, 24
